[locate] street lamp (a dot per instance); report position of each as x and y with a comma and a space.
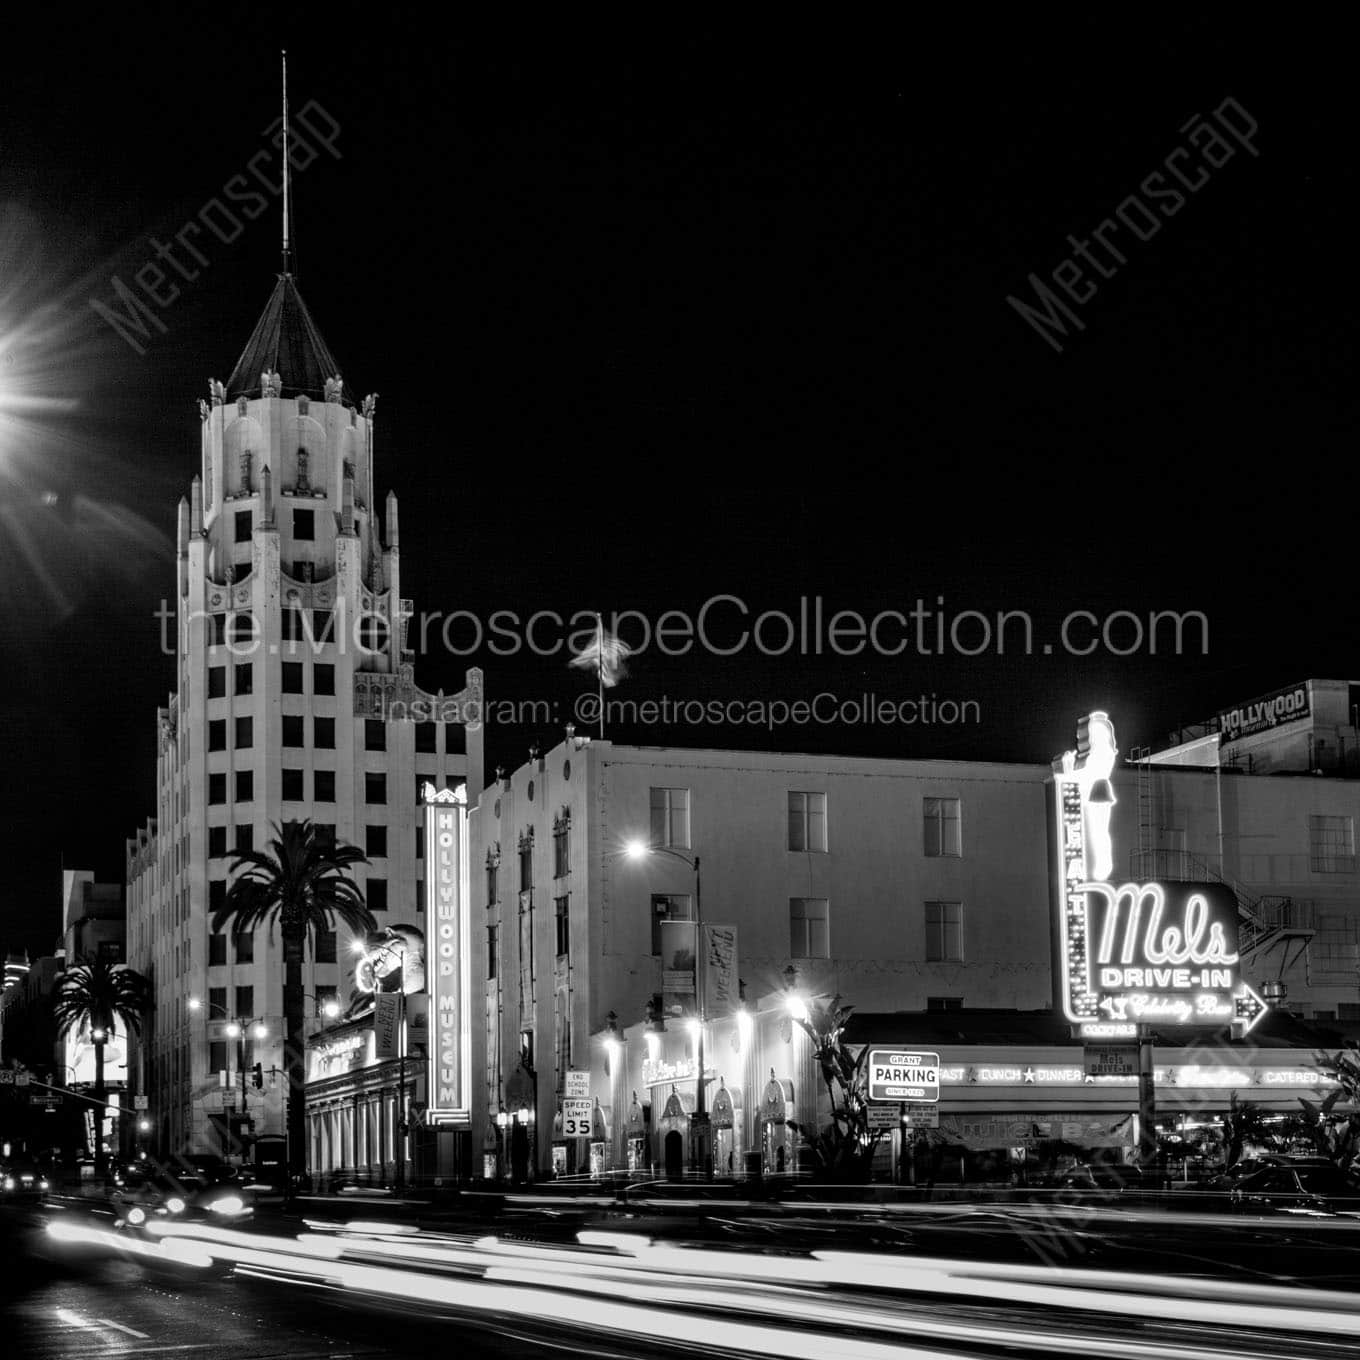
699, 1130
235, 1028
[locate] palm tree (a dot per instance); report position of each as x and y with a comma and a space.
303, 882
95, 996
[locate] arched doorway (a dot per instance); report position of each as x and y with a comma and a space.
726, 1123
673, 1128
776, 1138
638, 1159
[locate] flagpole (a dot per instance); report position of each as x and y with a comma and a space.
599, 624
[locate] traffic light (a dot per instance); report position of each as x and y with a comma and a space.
258, 1076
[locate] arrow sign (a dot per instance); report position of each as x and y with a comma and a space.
1248, 1008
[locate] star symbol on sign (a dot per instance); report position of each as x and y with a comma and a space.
1028, 1074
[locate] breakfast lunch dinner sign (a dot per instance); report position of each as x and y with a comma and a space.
448, 978
1136, 953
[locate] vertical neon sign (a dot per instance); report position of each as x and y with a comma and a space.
448, 979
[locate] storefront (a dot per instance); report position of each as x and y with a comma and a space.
1015, 1095
354, 1108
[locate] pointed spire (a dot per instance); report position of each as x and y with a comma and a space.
392, 539
267, 496
182, 529
196, 506
287, 198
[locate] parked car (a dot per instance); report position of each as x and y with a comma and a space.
1307, 1188
23, 1179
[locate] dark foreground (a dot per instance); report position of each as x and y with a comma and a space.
338, 1279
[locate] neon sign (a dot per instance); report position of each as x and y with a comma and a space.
448, 973
1136, 953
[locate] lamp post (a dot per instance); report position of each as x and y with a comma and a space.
235, 1028
700, 1144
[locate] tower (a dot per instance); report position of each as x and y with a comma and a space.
295, 699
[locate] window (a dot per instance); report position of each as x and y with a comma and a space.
292, 785
670, 818
244, 944
323, 678
292, 677
1331, 845
944, 932
217, 1056
245, 1002
217, 950
245, 733
304, 524
807, 821
217, 682
217, 788
425, 739
526, 863
561, 851
245, 785
245, 839
326, 996
325, 946
217, 894
668, 907
1348, 1010
217, 1003
219, 633
323, 626
323, 734
323, 786
375, 840
375, 788
942, 827
292, 624
325, 832
377, 894
493, 882
245, 677
809, 928
562, 918
243, 526
375, 734
373, 633
944, 1003
217, 840
491, 933
217, 734
292, 730
243, 627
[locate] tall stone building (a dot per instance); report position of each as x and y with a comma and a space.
295, 699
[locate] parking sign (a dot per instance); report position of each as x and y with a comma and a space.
899, 1074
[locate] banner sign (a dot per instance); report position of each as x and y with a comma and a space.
721, 987
1264, 714
385, 1025
448, 970
1136, 953
1110, 1060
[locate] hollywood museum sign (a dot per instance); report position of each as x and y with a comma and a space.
1136, 953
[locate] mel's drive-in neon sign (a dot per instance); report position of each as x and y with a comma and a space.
448, 974
1136, 953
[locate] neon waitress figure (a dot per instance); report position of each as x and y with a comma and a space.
1096, 764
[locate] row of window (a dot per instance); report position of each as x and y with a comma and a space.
323, 786
807, 822
304, 525
244, 949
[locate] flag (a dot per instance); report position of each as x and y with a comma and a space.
604, 654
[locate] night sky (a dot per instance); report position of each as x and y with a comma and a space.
668, 312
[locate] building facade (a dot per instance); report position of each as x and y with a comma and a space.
903, 886
295, 699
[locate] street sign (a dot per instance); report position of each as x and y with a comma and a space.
577, 1086
141, 1102
576, 1118
883, 1116
1111, 1060
50, 1101
898, 1074
922, 1116
22, 1078
7, 1076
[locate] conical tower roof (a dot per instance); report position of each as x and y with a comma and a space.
285, 341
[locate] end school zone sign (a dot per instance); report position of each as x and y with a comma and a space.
895, 1074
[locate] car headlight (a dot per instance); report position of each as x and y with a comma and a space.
228, 1204
175, 1204
9, 1182
43, 1185
136, 1216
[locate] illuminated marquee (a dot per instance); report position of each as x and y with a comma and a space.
448, 973
1136, 953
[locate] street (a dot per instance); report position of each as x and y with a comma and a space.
358, 1281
